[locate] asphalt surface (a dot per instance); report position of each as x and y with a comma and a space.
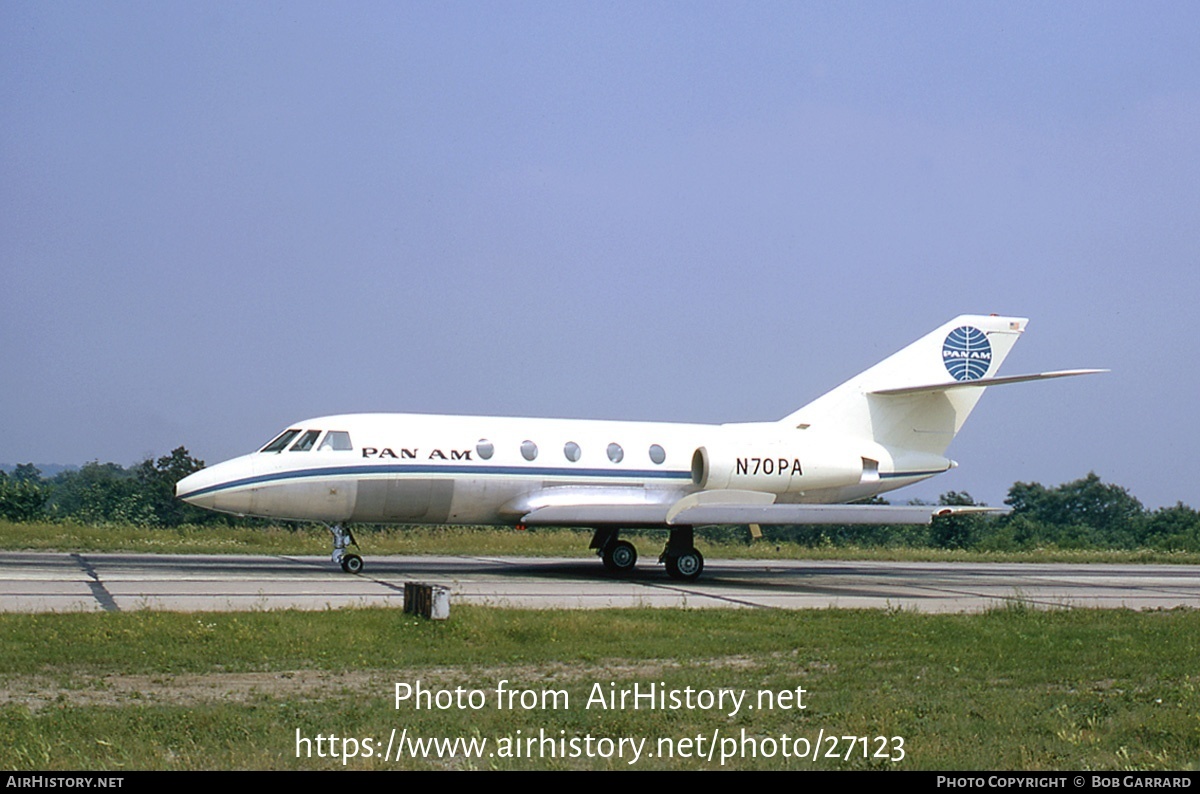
86, 582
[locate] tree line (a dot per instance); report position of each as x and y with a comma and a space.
107, 493
1084, 514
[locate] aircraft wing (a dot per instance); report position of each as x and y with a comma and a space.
821, 514
592, 515
738, 514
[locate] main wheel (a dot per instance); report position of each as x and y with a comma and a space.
620, 557
686, 566
352, 563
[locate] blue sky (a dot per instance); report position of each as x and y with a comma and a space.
221, 218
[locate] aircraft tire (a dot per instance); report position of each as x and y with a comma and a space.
352, 563
620, 557
686, 566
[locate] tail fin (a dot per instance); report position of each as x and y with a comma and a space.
917, 399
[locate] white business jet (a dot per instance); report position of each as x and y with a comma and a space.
883, 429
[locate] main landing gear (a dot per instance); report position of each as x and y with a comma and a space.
683, 560
618, 556
342, 537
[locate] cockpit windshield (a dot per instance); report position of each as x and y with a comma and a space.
337, 440
281, 441
306, 441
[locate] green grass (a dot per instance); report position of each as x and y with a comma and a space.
311, 539
1014, 688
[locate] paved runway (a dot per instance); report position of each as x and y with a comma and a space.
40, 582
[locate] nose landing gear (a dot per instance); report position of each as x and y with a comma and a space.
342, 537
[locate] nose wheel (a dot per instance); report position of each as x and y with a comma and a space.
342, 537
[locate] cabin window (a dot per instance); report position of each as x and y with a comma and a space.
485, 449
572, 451
528, 450
281, 441
657, 453
337, 440
307, 441
615, 453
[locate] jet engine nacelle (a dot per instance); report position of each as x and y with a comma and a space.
775, 467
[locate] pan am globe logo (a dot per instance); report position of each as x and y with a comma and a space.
967, 353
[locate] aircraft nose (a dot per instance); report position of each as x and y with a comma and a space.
209, 487
191, 488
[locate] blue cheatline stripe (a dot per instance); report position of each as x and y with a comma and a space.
527, 471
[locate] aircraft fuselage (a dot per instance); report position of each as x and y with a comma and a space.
415, 468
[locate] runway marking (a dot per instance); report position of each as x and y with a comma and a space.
707, 596
396, 588
99, 591
43, 581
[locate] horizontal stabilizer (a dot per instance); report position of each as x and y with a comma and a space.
979, 383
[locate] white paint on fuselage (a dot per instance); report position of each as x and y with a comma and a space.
419, 468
